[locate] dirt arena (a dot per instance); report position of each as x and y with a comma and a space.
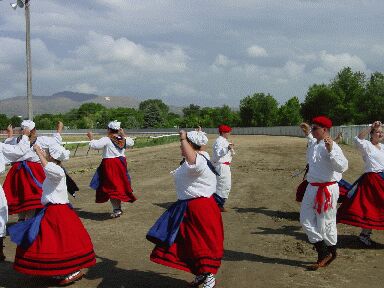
264, 244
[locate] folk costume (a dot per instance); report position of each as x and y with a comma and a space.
23, 183
54, 242
221, 159
364, 205
189, 235
318, 207
111, 180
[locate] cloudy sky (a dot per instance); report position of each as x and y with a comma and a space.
207, 52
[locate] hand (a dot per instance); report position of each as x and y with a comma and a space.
59, 127
305, 127
376, 124
230, 146
26, 131
121, 132
328, 143
37, 148
9, 131
90, 135
183, 135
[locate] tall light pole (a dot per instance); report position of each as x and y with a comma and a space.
25, 4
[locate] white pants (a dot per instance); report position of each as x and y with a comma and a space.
321, 226
223, 186
3, 213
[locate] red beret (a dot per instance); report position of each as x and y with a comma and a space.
224, 129
323, 121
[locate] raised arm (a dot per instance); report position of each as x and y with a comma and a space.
188, 152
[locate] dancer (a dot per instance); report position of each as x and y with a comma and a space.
364, 205
111, 180
54, 243
318, 208
223, 152
189, 235
23, 183
9, 153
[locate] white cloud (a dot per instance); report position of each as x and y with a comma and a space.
256, 51
85, 88
378, 50
106, 49
332, 63
294, 69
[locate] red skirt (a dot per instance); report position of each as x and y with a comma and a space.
62, 246
21, 191
365, 208
114, 181
198, 247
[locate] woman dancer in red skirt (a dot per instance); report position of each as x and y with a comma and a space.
112, 181
54, 242
23, 184
364, 205
8, 153
189, 235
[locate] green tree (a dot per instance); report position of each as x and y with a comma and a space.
372, 105
258, 110
15, 121
289, 113
349, 87
4, 121
320, 100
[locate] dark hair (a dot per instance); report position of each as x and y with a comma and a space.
194, 146
110, 130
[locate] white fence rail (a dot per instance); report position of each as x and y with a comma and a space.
349, 132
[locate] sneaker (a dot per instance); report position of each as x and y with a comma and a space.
366, 239
116, 213
210, 281
71, 278
199, 279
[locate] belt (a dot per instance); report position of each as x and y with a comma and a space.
319, 196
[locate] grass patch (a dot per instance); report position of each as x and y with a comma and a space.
146, 142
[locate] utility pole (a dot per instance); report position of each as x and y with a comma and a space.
28, 59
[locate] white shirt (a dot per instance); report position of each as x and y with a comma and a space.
109, 149
193, 181
54, 185
372, 156
10, 153
324, 166
221, 153
43, 141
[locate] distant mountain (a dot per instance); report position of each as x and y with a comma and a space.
62, 102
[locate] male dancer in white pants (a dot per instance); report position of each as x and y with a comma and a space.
221, 159
318, 208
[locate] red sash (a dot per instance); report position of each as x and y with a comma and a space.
322, 190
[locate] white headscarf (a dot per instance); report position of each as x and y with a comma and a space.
114, 125
197, 137
28, 124
58, 152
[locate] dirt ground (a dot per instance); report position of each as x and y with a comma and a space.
264, 243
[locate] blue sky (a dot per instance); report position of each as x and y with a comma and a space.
192, 51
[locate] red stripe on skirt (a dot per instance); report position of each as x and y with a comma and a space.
199, 244
63, 245
114, 182
366, 208
21, 191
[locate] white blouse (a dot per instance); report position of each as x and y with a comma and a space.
109, 149
324, 166
43, 141
221, 153
373, 156
54, 185
194, 181
10, 153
